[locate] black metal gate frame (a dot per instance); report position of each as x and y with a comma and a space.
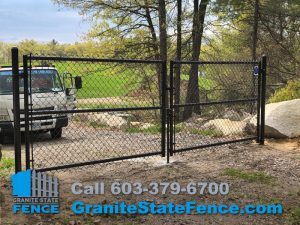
260, 100
166, 108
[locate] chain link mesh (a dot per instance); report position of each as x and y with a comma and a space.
116, 113
213, 102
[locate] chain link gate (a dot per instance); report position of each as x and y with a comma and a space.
94, 110
83, 111
212, 103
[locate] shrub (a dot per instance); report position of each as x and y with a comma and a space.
289, 92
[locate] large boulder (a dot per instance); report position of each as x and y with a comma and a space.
226, 126
109, 120
231, 115
282, 119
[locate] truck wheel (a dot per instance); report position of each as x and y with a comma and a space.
56, 133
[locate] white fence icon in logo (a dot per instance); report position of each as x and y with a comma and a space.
43, 185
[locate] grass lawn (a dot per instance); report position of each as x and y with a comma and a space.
204, 83
102, 80
250, 176
7, 166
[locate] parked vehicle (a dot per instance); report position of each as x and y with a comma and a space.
47, 92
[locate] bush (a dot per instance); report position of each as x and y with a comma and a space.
289, 92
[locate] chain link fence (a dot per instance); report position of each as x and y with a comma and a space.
84, 111
87, 111
213, 103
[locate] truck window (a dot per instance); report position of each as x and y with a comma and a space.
45, 81
42, 81
6, 82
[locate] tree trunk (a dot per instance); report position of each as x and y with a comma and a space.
255, 30
254, 47
197, 33
178, 57
162, 42
162, 29
155, 49
155, 43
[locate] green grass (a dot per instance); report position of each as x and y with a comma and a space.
97, 125
294, 216
289, 92
207, 132
6, 167
7, 163
204, 83
101, 80
251, 176
7, 64
155, 129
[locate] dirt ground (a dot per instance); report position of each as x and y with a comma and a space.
278, 162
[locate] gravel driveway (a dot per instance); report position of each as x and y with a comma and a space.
82, 143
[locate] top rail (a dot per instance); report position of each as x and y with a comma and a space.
80, 59
215, 62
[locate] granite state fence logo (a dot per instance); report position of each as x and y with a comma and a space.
35, 193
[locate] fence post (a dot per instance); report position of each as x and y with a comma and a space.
258, 124
263, 98
170, 113
26, 111
164, 106
16, 110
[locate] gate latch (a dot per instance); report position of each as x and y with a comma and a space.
256, 70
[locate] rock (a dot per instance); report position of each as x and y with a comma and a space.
141, 125
282, 119
124, 115
108, 120
200, 120
146, 125
226, 126
232, 115
246, 115
189, 125
248, 118
135, 124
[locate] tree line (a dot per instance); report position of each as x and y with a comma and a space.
191, 30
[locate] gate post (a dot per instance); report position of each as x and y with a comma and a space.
163, 106
26, 111
16, 108
258, 124
171, 108
263, 98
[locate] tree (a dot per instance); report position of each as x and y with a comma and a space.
129, 25
255, 29
197, 33
270, 27
178, 57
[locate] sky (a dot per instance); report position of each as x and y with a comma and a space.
40, 20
